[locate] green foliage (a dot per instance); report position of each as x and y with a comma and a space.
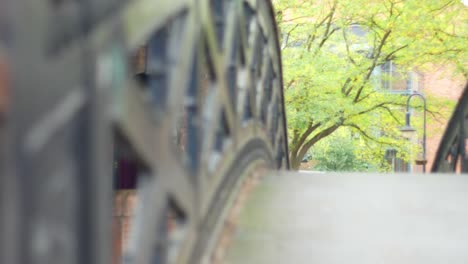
339, 152
331, 73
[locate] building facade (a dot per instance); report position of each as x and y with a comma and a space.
439, 82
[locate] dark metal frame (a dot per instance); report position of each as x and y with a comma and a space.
73, 94
452, 153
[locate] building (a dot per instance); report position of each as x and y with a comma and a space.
438, 82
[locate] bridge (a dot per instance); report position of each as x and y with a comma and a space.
182, 103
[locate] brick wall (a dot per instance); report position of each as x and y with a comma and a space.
439, 82
124, 205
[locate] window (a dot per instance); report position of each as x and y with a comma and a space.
397, 164
413, 81
396, 80
393, 79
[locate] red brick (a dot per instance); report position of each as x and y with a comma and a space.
442, 83
124, 207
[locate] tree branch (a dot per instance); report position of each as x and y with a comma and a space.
366, 96
312, 37
327, 32
345, 37
296, 18
291, 82
380, 105
374, 64
391, 113
310, 129
286, 38
362, 132
345, 85
326, 132
451, 35
442, 7
390, 55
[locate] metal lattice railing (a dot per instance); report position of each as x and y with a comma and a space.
452, 153
188, 92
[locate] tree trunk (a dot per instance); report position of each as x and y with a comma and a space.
300, 151
295, 162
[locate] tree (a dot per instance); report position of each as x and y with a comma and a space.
333, 51
339, 152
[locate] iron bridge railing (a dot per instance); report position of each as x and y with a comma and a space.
178, 100
452, 153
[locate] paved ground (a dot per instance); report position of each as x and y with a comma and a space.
354, 219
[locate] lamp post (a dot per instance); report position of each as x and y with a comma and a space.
408, 129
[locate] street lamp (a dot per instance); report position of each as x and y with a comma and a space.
408, 130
